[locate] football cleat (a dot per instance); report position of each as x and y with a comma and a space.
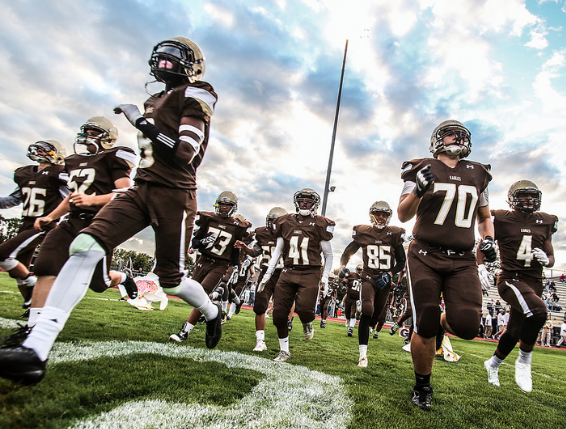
182, 335
223, 317
350, 332
130, 285
21, 365
27, 304
523, 376
422, 397
25, 315
239, 306
394, 329
376, 335
290, 325
283, 356
202, 319
363, 362
308, 330
214, 329
323, 323
492, 373
260, 346
17, 338
370, 330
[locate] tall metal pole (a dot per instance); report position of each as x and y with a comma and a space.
329, 169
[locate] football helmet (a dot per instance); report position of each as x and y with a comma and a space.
524, 196
306, 194
106, 139
359, 268
226, 198
50, 151
463, 145
187, 61
380, 206
273, 214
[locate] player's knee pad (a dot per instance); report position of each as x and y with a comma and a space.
531, 327
85, 243
9, 264
465, 324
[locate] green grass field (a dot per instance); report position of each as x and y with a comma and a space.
113, 366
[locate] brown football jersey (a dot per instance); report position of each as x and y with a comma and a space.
378, 245
266, 239
517, 237
165, 111
446, 215
302, 237
42, 191
226, 232
96, 174
353, 282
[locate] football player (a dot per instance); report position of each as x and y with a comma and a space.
173, 138
95, 170
383, 256
264, 246
301, 239
352, 281
217, 232
40, 188
326, 298
524, 236
447, 194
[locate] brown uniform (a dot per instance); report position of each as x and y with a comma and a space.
382, 250
300, 277
266, 239
440, 259
520, 282
164, 196
91, 175
354, 283
213, 263
40, 192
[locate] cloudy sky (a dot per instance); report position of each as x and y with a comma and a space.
498, 66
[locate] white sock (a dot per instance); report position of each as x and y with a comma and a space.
123, 277
224, 305
352, 323
260, 335
33, 316
284, 344
363, 350
232, 309
525, 357
50, 323
494, 362
188, 327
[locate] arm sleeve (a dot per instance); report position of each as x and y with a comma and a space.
328, 257
348, 252
12, 200
275, 257
400, 259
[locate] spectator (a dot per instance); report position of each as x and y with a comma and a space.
501, 323
562, 334
488, 326
546, 333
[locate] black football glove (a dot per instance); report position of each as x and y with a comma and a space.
424, 180
488, 248
343, 272
383, 280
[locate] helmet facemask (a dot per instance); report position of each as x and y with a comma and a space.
226, 198
525, 196
46, 151
306, 195
462, 146
377, 208
185, 63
